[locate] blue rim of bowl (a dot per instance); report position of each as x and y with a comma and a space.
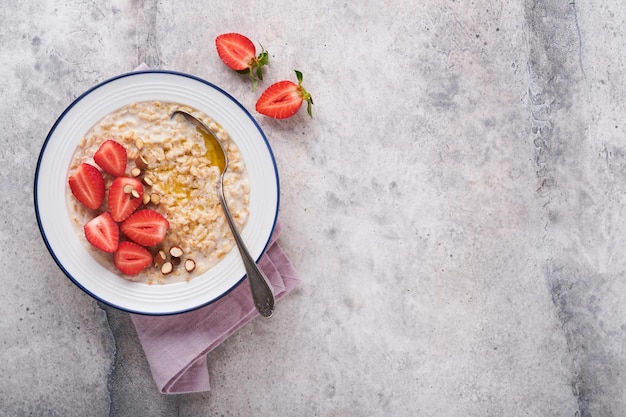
81, 97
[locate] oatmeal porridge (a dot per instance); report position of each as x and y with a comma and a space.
177, 174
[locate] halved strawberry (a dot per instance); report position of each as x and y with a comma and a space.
131, 259
284, 98
125, 196
112, 157
103, 232
87, 185
145, 227
238, 53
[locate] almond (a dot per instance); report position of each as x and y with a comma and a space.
176, 251
167, 268
141, 162
159, 258
190, 265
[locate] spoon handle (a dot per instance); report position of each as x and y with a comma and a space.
259, 284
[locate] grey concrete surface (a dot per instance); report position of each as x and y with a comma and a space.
455, 209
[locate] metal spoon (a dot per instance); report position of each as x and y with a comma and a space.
259, 284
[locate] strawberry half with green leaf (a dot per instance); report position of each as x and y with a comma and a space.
103, 232
112, 157
239, 54
284, 98
131, 259
145, 227
125, 196
87, 185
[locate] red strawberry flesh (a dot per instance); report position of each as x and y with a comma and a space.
280, 100
131, 259
283, 99
112, 157
122, 203
87, 185
235, 50
102, 232
145, 227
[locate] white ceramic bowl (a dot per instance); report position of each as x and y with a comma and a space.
51, 184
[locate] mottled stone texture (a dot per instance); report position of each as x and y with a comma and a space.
454, 209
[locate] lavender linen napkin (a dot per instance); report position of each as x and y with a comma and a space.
176, 346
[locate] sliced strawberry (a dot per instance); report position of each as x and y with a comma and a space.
145, 227
125, 196
283, 99
103, 232
112, 157
87, 185
131, 259
238, 53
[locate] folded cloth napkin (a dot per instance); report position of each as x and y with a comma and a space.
176, 346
